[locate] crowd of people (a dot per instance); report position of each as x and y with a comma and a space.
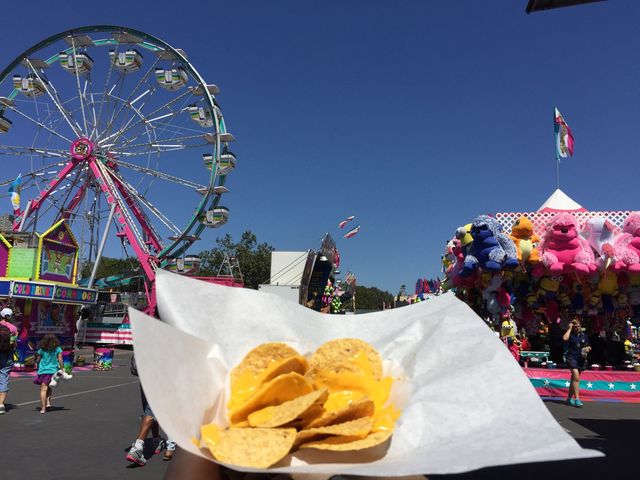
569, 345
48, 362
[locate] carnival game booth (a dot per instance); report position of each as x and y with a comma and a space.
38, 282
543, 268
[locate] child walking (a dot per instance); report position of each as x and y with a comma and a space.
48, 361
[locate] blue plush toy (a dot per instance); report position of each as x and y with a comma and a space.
491, 249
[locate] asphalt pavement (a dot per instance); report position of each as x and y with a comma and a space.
96, 417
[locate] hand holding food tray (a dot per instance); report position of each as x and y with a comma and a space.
464, 403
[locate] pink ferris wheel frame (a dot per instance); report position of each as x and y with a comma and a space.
82, 152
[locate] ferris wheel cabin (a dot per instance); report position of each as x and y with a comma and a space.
212, 89
201, 116
5, 124
216, 217
226, 164
126, 62
31, 86
79, 63
171, 79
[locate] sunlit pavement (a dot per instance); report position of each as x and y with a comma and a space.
96, 416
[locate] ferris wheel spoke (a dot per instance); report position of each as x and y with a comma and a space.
159, 109
39, 124
76, 129
132, 190
126, 102
162, 175
93, 108
160, 144
10, 150
94, 133
164, 127
80, 92
119, 133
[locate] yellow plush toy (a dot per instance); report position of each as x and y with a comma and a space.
526, 241
608, 284
464, 235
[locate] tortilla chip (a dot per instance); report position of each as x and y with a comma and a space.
261, 357
279, 390
276, 416
345, 444
296, 364
314, 411
359, 428
250, 447
342, 351
357, 409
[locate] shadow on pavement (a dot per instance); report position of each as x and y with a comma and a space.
616, 438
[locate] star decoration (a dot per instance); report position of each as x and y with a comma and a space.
589, 385
566, 384
633, 386
611, 385
546, 382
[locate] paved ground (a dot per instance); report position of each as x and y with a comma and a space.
96, 417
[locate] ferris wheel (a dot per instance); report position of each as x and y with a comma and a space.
110, 126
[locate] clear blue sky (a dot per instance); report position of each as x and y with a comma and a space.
414, 116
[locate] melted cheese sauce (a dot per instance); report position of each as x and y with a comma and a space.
347, 386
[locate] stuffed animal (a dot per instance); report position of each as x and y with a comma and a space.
627, 245
526, 241
577, 298
563, 250
608, 287
491, 283
464, 235
548, 288
491, 249
449, 258
600, 235
59, 375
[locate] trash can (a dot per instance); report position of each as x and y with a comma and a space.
103, 358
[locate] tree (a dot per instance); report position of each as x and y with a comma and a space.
111, 266
371, 298
254, 258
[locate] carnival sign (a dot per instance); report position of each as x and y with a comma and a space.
75, 295
32, 290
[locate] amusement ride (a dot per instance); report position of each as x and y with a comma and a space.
114, 132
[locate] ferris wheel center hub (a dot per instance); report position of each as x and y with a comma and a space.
81, 149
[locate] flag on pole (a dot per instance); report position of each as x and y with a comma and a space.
14, 193
345, 221
351, 233
564, 137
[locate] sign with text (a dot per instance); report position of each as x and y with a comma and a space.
75, 295
32, 290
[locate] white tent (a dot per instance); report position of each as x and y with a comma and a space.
560, 201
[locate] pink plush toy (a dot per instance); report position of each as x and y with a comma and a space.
627, 246
563, 250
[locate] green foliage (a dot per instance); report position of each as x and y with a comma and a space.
254, 258
371, 298
111, 266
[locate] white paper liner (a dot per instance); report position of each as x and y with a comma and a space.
470, 405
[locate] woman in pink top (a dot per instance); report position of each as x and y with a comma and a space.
6, 315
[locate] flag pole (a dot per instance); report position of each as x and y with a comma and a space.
555, 146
